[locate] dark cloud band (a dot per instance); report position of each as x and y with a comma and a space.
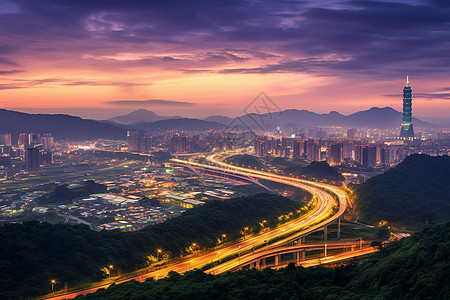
165, 103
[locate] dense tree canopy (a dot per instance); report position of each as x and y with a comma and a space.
31, 253
416, 191
317, 170
245, 160
64, 193
413, 268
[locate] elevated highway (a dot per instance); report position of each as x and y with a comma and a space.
327, 209
273, 257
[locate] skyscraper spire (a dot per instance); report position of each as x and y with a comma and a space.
407, 130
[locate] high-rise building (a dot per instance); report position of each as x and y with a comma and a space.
32, 158
298, 149
407, 130
348, 150
47, 140
351, 133
369, 156
260, 146
313, 151
178, 144
5, 139
47, 157
138, 142
23, 141
335, 154
34, 139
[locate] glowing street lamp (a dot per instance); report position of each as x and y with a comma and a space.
110, 267
158, 253
53, 281
245, 232
222, 238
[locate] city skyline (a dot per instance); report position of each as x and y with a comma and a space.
214, 58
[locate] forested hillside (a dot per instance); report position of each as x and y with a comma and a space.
417, 191
32, 253
413, 268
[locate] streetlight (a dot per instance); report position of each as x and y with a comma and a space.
111, 267
157, 255
245, 232
53, 281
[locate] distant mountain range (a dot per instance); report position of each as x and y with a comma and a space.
373, 118
61, 126
75, 128
140, 115
183, 124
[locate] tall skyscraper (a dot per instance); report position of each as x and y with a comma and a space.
32, 159
23, 141
407, 130
351, 133
335, 154
5, 139
47, 141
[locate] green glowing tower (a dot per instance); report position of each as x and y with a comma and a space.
407, 130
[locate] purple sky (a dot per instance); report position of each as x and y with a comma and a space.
200, 58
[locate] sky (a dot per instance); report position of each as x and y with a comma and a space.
197, 58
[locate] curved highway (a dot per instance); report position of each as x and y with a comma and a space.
318, 216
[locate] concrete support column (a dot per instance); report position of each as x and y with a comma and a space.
325, 251
277, 260
325, 232
297, 257
263, 263
302, 256
339, 228
258, 265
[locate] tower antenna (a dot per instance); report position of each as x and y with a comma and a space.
407, 80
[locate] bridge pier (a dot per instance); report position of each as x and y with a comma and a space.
300, 256
301, 241
325, 232
325, 251
263, 263
277, 260
339, 228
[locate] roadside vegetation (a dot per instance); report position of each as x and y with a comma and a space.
412, 268
33, 253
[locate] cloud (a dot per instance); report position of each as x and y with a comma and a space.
430, 96
60, 81
8, 72
162, 103
9, 87
104, 83
7, 62
376, 38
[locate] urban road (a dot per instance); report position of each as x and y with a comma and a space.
320, 215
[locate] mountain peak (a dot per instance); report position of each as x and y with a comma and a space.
139, 116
